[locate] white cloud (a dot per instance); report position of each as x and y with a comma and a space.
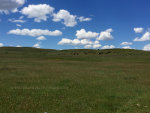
108, 47
15, 10
21, 17
18, 46
18, 25
96, 45
65, 41
106, 35
138, 30
83, 19
86, 42
1, 44
35, 32
147, 47
76, 42
126, 47
68, 19
41, 12
10, 5
41, 38
145, 37
20, 1
96, 42
38, 12
37, 45
88, 46
83, 34
126, 43
16, 21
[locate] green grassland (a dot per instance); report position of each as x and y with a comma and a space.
74, 81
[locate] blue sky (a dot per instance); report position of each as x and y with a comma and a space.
71, 24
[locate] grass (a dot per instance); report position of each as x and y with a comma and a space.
74, 81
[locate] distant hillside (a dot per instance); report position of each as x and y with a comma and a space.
74, 52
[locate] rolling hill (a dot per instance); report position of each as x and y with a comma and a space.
74, 81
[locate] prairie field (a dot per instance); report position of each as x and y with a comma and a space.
74, 81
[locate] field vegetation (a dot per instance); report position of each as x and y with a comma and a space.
74, 81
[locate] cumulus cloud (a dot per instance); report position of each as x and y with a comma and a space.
76, 42
41, 12
18, 25
86, 42
66, 18
126, 47
18, 46
83, 19
146, 47
126, 43
88, 46
66, 41
83, 34
138, 30
41, 38
106, 35
38, 12
96, 46
16, 21
145, 37
10, 5
96, 42
37, 45
35, 32
21, 17
108, 47
1, 44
